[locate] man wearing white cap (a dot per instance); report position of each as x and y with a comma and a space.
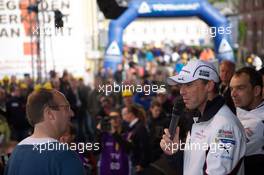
216, 142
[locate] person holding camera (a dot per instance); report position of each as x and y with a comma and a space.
114, 149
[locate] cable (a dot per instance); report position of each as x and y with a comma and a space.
31, 46
44, 44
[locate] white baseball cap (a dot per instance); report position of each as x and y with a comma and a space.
193, 70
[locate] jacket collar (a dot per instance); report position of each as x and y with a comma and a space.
260, 105
131, 124
211, 108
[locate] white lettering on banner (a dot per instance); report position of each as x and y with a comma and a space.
224, 46
144, 8
16, 27
113, 49
172, 7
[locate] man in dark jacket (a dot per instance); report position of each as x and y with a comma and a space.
16, 115
157, 122
227, 69
138, 136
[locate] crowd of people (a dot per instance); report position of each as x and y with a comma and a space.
129, 125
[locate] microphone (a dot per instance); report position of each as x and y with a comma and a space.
177, 111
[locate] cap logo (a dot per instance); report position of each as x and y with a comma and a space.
204, 73
186, 71
181, 78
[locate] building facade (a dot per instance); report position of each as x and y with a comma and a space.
252, 26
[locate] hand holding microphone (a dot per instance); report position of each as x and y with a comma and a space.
169, 146
170, 140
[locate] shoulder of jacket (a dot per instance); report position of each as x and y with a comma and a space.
225, 116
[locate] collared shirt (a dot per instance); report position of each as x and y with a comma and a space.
37, 141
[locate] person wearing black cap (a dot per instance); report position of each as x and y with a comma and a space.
216, 143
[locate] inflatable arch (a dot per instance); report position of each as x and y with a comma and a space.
167, 8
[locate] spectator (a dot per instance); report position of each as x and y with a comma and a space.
207, 55
84, 119
49, 113
88, 77
16, 115
138, 136
13, 81
2, 101
246, 90
78, 107
114, 158
227, 70
94, 97
162, 98
127, 98
29, 83
144, 97
118, 74
66, 89
149, 57
105, 108
55, 83
5, 84
157, 122
4, 128
88, 161
257, 62
6, 151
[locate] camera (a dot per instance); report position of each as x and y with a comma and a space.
105, 124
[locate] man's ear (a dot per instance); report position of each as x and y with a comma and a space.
210, 86
47, 114
257, 91
62, 139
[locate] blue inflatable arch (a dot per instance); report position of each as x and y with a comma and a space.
167, 8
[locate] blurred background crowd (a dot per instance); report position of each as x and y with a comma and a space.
98, 118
